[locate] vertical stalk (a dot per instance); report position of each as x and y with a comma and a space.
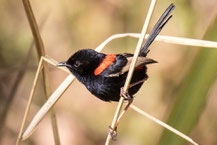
132, 67
29, 102
41, 52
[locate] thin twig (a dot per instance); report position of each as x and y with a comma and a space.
53, 62
29, 102
35, 31
47, 106
138, 110
132, 67
163, 38
41, 52
50, 102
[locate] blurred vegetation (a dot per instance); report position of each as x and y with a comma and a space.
195, 89
181, 88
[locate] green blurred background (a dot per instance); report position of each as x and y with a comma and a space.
181, 89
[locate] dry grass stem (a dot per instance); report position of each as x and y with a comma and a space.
21, 74
138, 110
163, 38
50, 102
53, 62
47, 106
41, 52
187, 41
29, 102
132, 67
35, 31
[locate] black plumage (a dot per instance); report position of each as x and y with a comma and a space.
104, 75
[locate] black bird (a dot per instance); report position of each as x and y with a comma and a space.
104, 75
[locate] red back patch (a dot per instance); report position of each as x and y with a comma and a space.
139, 68
107, 61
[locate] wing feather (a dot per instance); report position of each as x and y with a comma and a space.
122, 63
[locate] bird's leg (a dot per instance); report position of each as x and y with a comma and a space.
124, 111
136, 83
129, 98
113, 132
125, 94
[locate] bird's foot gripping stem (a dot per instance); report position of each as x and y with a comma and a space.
113, 133
125, 94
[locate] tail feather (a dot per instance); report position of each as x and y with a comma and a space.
156, 30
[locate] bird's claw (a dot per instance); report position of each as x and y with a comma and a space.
113, 133
125, 94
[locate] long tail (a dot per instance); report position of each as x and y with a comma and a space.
157, 28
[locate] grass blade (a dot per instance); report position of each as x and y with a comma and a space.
194, 91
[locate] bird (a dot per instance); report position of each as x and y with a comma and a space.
104, 75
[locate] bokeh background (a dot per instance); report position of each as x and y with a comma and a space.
181, 89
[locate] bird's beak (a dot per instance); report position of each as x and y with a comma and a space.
63, 64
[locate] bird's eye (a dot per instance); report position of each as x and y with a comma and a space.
77, 63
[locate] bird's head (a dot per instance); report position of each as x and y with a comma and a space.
83, 62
